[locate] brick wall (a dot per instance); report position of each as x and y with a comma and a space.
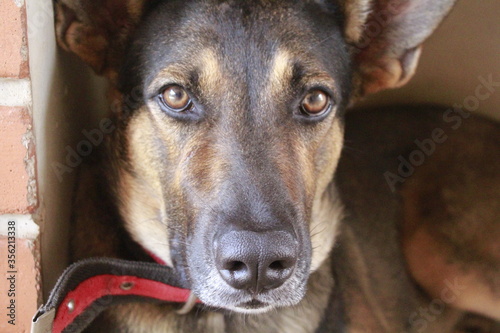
19, 288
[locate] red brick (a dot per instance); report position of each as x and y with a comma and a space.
14, 123
26, 285
13, 40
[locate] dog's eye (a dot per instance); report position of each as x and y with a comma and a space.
175, 98
315, 103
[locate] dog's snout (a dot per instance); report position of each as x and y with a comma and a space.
255, 261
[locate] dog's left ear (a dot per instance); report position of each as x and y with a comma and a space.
386, 38
97, 30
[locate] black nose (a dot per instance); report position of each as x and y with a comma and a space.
255, 261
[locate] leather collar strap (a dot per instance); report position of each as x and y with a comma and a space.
88, 287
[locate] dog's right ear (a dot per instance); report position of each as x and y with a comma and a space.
386, 38
97, 30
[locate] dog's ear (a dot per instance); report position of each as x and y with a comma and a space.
97, 30
386, 38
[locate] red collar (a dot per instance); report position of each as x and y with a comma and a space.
88, 287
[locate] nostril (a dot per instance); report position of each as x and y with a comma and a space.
279, 265
277, 272
237, 274
235, 266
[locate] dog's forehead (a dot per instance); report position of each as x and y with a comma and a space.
245, 39
237, 22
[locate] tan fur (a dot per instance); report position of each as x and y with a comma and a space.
280, 71
357, 13
430, 264
325, 222
212, 75
135, 8
446, 215
142, 198
327, 211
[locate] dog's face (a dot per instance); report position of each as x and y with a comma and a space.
238, 137
230, 126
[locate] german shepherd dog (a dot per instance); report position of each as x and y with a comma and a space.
229, 121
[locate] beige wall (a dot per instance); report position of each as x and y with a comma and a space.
66, 96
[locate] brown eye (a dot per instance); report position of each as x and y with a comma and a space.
176, 98
316, 102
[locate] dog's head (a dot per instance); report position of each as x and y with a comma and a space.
230, 126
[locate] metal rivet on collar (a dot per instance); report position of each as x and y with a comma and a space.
71, 305
126, 285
